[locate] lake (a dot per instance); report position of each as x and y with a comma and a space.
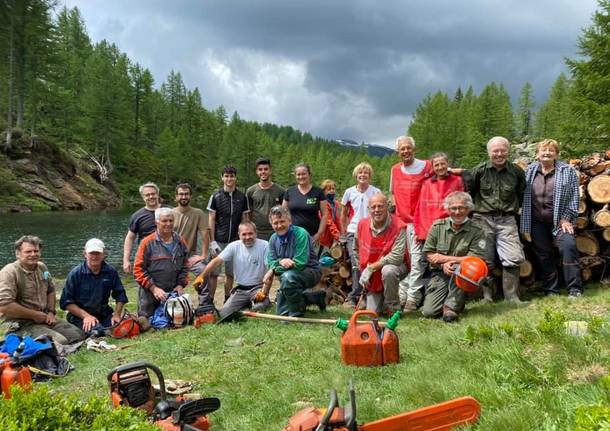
64, 235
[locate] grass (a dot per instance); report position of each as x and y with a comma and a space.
526, 372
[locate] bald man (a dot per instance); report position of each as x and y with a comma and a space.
379, 244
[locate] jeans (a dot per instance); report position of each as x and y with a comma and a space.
543, 244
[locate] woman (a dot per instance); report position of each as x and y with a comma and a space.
305, 201
433, 193
355, 207
550, 207
332, 232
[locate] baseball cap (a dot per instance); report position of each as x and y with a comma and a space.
94, 245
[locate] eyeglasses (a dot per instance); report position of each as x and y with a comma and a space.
456, 209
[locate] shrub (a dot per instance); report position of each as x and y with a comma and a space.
43, 410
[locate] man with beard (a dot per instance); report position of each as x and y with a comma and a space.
142, 222
191, 223
262, 197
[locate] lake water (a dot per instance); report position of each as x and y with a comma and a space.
64, 235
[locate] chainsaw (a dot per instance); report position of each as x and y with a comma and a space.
438, 417
130, 385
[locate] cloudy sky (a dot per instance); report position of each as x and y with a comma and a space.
342, 69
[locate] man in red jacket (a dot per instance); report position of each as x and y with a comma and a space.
380, 251
406, 181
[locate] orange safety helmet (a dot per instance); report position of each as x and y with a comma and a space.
128, 327
469, 273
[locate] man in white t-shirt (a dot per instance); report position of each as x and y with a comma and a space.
356, 207
248, 258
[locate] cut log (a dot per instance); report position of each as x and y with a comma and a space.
606, 234
591, 261
590, 161
582, 199
586, 274
581, 223
525, 269
602, 217
344, 272
586, 243
599, 189
336, 251
601, 167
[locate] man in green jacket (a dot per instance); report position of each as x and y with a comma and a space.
497, 188
292, 257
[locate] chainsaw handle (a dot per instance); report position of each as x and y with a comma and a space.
354, 319
334, 402
138, 365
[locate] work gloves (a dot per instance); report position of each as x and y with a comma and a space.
214, 249
260, 296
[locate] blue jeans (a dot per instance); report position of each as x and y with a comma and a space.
543, 244
104, 323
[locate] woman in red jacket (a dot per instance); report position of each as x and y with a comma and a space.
333, 214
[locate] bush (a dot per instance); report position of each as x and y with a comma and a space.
42, 410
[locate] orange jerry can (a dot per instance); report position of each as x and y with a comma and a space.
19, 375
361, 342
389, 345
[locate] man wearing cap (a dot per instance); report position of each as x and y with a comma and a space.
449, 240
88, 288
27, 296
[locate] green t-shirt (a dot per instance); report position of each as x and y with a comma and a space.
261, 201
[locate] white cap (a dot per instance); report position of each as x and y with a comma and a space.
94, 245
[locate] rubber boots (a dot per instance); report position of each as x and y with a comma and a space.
489, 288
315, 297
510, 284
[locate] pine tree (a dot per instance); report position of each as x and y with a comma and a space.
524, 118
555, 111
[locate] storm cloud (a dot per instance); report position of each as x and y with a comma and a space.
342, 69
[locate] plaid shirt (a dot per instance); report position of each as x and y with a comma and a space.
565, 197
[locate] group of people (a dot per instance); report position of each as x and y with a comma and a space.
402, 259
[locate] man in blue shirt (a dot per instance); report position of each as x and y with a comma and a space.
88, 288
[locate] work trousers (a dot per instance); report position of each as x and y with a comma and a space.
441, 292
412, 287
290, 300
104, 322
243, 298
543, 245
356, 292
501, 236
388, 300
62, 332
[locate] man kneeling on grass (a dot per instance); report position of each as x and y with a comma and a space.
292, 257
88, 288
248, 259
450, 240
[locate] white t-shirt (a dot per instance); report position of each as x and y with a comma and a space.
359, 203
248, 262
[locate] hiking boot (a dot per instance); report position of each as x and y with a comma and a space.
315, 297
410, 306
449, 316
574, 294
144, 323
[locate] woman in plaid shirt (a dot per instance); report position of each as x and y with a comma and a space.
550, 207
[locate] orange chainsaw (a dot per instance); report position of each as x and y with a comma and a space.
438, 417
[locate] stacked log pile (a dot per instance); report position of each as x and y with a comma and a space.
337, 279
593, 222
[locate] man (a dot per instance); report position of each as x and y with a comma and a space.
87, 291
161, 264
380, 243
292, 257
356, 207
191, 223
227, 208
450, 240
27, 296
248, 258
433, 192
406, 179
142, 222
262, 197
497, 188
